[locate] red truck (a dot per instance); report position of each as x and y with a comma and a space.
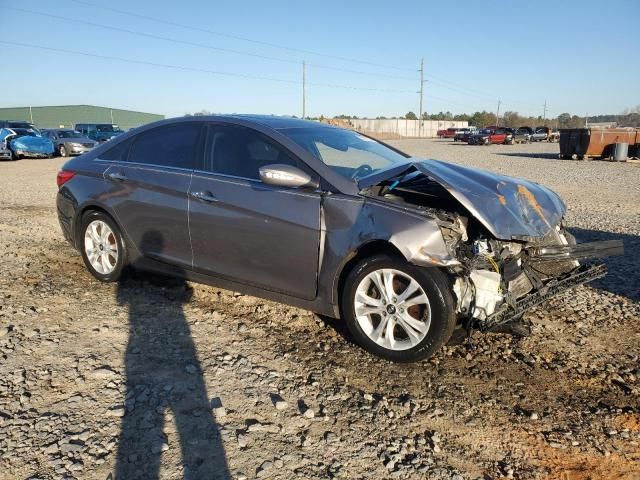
447, 133
487, 136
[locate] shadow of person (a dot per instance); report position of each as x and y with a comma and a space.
163, 381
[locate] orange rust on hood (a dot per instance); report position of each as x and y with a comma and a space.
503, 201
531, 199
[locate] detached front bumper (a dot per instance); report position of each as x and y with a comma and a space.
561, 255
32, 154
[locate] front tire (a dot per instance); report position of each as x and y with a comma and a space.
62, 151
396, 310
102, 246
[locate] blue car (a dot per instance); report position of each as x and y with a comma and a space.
26, 142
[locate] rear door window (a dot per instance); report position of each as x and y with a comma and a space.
167, 146
118, 152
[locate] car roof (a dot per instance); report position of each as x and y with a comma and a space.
277, 122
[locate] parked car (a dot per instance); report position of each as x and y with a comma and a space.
18, 124
5, 153
403, 250
463, 134
519, 135
25, 142
69, 142
547, 134
100, 132
447, 133
488, 136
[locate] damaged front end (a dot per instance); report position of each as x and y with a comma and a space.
506, 235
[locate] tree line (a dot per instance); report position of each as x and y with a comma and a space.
628, 118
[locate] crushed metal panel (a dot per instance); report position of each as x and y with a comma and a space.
510, 208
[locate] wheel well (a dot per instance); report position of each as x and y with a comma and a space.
80, 216
369, 249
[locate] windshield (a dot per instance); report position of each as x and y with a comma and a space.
485, 131
347, 152
68, 134
108, 128
23, 132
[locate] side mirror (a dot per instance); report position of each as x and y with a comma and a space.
284, 175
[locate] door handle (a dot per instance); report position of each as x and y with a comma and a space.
119, 177
204, 196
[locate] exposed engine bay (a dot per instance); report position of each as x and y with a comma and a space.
496, 279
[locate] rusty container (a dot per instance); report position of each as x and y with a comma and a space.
595, 142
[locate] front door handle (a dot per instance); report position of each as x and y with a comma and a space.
119, 177
204, 196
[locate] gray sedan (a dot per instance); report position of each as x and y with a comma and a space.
404, 250
69, 142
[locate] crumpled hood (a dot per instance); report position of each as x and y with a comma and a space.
32, 144
510, 208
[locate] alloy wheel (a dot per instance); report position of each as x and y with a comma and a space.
101, 247
392, 309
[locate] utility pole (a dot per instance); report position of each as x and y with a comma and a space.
544, 112
421, 92
586, 120
304, 89
30, 114
498, 114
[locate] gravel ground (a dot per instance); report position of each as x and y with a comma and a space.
155, 378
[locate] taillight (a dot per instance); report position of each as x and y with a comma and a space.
64, 176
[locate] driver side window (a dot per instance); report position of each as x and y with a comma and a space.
239, 152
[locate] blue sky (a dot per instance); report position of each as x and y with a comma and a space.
579, 56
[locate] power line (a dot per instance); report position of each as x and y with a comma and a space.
200, 45
238, 37
199, 70
451, 86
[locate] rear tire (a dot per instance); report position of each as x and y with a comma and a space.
62, 151
408, 323
102, 245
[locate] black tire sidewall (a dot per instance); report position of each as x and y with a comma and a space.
436, 286
122, 248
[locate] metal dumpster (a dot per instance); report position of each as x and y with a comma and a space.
585, 143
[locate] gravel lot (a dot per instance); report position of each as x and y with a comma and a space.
154, 375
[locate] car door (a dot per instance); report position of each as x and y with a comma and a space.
245, 230
149, 176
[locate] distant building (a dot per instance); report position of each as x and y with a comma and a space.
69, 115
402, 127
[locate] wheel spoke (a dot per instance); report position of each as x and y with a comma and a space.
413, 323
388, 283
417, 300
376, 335
367, 300
412, 288
368, 310
378, 281
93, 231
390, 339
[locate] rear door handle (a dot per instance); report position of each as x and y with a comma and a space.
204, 196
119, 177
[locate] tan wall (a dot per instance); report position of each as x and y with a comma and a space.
403, 127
